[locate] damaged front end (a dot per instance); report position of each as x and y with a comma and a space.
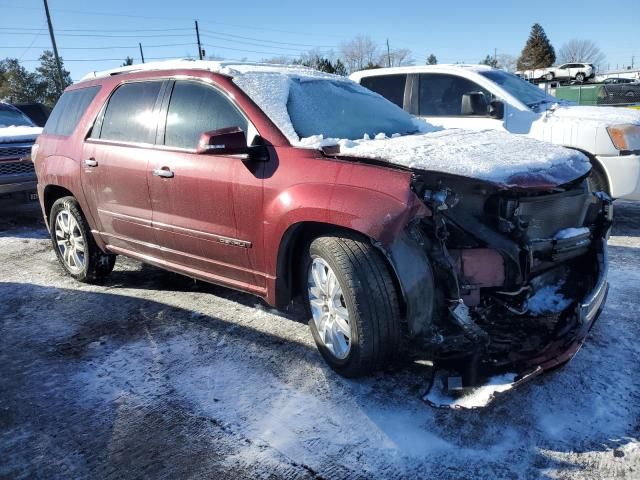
516, 276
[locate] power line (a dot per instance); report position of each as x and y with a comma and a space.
269, 41
216, 37
105, 48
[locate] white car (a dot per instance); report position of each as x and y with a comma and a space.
564, 72
478, 97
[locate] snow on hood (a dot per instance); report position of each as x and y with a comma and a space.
605, 115
490, 155
18, 134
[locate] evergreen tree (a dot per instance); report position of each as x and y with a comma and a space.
48, 79
432, 60
17, 85
489, 60
538, 51
339, 68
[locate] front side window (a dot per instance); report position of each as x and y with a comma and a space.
68, 110
130, 114
196, 108
528, 94
442, 95
390, 87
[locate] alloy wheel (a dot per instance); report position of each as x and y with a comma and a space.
70, 241
328, 308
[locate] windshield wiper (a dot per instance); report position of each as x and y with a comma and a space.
537, 104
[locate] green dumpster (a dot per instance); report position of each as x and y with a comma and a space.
581, 94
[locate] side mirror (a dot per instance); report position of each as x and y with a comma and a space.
496, 109
474, 103
233, 141
225, 141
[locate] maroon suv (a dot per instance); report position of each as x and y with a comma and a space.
288, 183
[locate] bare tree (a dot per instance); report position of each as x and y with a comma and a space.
359, 52
581, 50
397, 58
507, 62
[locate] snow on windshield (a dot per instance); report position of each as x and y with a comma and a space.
338, 109
519, 88
296, 101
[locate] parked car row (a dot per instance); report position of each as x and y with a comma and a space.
478, 249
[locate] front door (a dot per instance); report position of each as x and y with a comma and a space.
197, 198
441, 102
115, 165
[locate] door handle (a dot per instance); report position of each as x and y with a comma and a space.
163, 172
91, 162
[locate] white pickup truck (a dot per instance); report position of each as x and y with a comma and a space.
477, 97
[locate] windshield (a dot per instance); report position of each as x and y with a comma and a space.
527, 93
339, 109
13, 118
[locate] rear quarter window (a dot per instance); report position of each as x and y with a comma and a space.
390, 87
68, 110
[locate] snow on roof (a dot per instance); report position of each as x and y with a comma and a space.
223, 67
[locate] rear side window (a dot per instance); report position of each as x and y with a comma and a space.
196, 108
67, 113
130, 115
390, 87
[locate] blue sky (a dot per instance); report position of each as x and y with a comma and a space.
87, 31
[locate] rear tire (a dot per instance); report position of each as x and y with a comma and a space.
366, 300
74, 244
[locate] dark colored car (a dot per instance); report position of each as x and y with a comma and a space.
17, 173
619, 90
205, 169
37, 112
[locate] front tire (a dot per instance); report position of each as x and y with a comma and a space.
549, 76
74, 244
352, 303
580, 77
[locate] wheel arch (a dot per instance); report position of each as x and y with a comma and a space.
50, 195
296, 240
597, 167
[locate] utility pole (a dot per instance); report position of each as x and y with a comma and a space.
632, 61
388, 54
495, 57
141, 54
198, 37
55, 49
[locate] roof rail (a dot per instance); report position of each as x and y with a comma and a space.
224, 67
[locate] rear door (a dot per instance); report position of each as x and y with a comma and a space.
115, 166
438, 98
197, 199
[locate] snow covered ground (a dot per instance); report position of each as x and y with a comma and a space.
152, 375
